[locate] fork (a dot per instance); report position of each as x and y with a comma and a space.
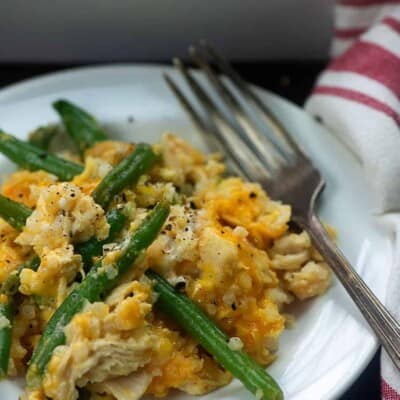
279, 165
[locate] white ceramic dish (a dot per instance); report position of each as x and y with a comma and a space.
330, 344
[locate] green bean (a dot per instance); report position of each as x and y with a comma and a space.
192, 319
84, 130
95, 287
13, 212
33, 158
42, 136
128, 171
6, 313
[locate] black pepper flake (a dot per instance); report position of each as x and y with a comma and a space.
192, 205
124, 197
21, 195
233, 306
72, 194
186, 229
253, 195
168, 227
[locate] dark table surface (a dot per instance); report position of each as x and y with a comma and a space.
292, 80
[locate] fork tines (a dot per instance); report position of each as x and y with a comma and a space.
229, 126
252, 97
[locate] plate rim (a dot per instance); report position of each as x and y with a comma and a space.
47, 77
31, 84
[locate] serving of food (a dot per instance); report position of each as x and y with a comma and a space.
130, 269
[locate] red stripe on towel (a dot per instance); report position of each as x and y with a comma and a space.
348, 33
358, 97
388, 393
372, 61
393, 23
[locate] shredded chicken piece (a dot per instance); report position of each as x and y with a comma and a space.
63, 215
131, 387
313, 279
106, 341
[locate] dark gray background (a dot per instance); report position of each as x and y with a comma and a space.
94, 30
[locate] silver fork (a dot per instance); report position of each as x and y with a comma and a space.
282, 168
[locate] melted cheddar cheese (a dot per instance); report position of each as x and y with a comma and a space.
225, 244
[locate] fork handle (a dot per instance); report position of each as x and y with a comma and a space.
386, 328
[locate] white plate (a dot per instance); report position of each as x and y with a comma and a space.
330, 344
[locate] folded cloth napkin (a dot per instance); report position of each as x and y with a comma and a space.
358, 98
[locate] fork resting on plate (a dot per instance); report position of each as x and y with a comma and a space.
279, 165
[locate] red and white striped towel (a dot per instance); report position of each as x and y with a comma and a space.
358, 98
